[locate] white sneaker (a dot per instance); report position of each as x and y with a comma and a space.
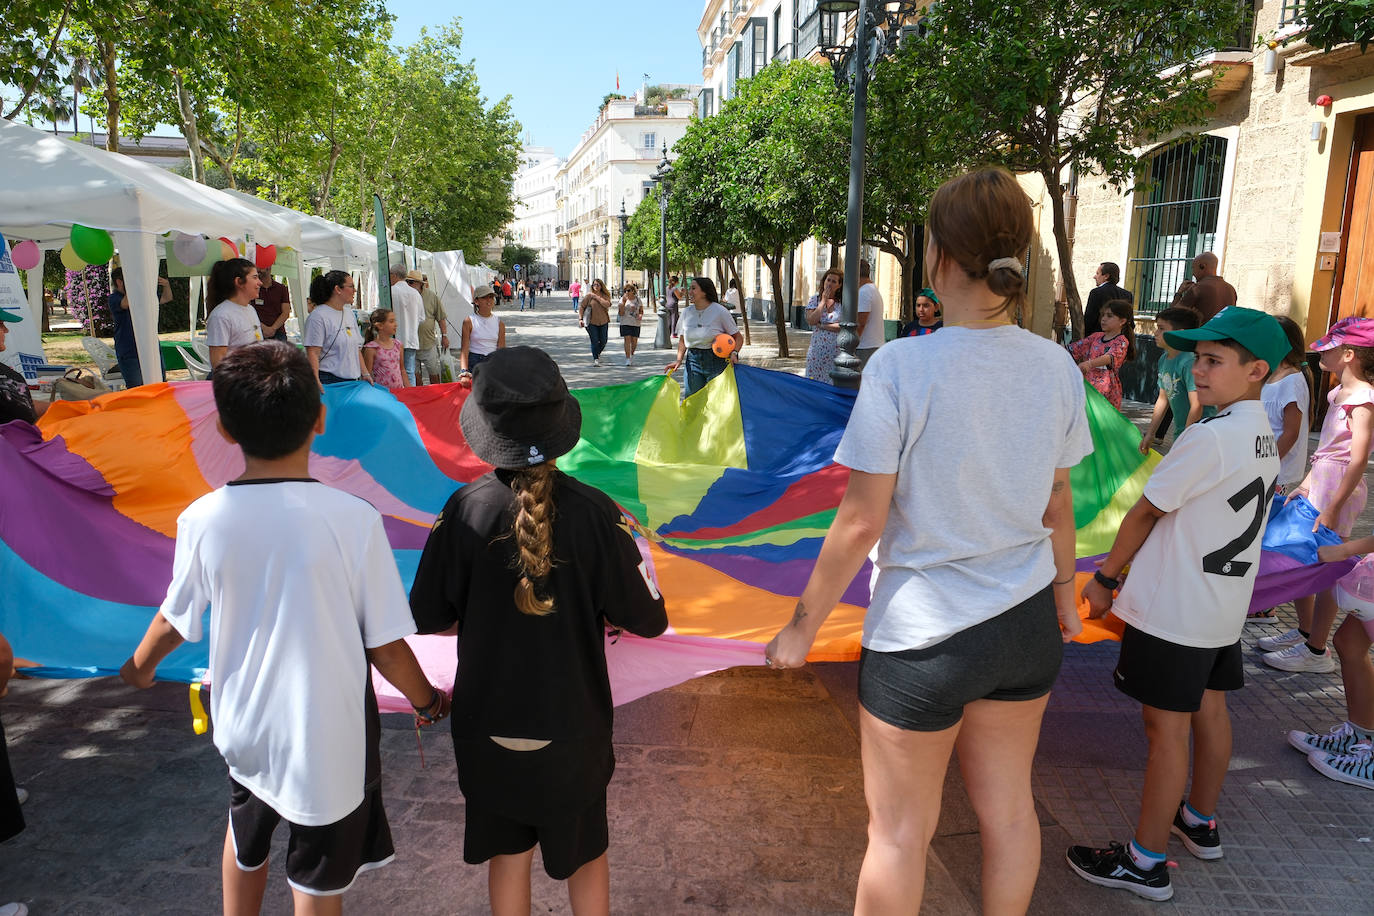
627, 360
1300, 658
1355, 768
14, 909
1282, 641
1337, 741
23, 794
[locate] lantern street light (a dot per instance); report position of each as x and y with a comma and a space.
663, 177
623, 217
606, 247
877, 31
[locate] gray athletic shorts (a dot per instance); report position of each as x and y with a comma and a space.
1013, 656
429, 361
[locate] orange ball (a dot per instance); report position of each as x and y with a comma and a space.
723, 345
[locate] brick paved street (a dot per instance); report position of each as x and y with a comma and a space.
740, 792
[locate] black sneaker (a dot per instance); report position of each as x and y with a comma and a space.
1203, 841
1114, 867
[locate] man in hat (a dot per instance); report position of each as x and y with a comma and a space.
433, 333
410, 311
15, 401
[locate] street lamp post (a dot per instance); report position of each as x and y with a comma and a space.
606, 247
876, 33
587, 263
664, 178
623, 218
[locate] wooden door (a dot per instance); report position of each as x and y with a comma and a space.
1354, 282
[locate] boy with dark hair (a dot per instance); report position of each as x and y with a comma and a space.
294, 621
1178, 400
1193, 542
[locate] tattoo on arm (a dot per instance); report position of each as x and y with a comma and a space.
1058, 487
799, 614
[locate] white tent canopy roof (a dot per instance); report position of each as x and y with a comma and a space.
47, 184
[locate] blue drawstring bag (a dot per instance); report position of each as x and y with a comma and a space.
1290, 533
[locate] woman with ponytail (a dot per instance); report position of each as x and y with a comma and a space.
973, 596
529, 567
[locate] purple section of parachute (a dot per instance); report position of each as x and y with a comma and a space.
1281, 578
97, 551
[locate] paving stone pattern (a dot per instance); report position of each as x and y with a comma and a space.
740, 792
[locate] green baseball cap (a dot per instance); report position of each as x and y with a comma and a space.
9, 316
1259, 332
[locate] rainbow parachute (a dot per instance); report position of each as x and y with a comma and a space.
731, 491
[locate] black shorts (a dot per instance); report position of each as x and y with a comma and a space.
629, 330
565, 844
555, 796
1014, 656
1168, 676
321, 860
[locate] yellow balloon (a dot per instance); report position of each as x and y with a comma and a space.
70, 260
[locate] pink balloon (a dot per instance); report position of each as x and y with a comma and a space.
26, 255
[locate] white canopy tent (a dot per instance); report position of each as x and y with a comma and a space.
48, 184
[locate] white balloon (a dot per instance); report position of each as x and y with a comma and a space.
189, 249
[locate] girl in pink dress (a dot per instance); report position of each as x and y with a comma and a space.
1101, 355
1335, 484
382, 353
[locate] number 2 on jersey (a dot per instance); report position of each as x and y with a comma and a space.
1222, 561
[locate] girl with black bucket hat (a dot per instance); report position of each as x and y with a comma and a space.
529, 567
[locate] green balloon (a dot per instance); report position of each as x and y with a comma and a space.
94, 246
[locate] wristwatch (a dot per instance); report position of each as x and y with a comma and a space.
1106, 582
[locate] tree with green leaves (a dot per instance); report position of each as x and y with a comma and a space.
1336, 22
513, 253
765, 172
1076, 86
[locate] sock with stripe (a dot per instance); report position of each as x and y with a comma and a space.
1192, 817
1143, 858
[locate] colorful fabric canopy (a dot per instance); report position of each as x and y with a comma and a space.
731, 491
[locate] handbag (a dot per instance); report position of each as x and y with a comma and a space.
78, 384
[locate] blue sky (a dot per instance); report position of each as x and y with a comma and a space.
557, 59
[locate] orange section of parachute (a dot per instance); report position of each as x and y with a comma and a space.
1109, 627
705, 602
152, 483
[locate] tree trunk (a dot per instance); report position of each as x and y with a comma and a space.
774, 262
107, 63
1065, 253
189, 129
334, 151
732, 270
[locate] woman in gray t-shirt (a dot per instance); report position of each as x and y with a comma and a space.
959, 445
332, 340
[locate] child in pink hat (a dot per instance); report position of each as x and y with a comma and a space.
1335, 484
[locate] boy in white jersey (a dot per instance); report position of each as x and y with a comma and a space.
1193, 543
303, 592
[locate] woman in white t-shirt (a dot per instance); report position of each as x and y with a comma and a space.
631, 315
333, 343
698, 328
973, 593
234, 322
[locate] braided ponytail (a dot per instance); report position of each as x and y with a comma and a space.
534, 537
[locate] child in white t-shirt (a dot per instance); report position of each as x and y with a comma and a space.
294, 621
1193, 541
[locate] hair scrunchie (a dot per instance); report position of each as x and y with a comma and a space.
1006, 263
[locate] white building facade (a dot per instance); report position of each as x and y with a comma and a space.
613, 165
536, 210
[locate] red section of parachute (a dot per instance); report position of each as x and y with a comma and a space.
435, 409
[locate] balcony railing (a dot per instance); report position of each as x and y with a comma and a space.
1242, 39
